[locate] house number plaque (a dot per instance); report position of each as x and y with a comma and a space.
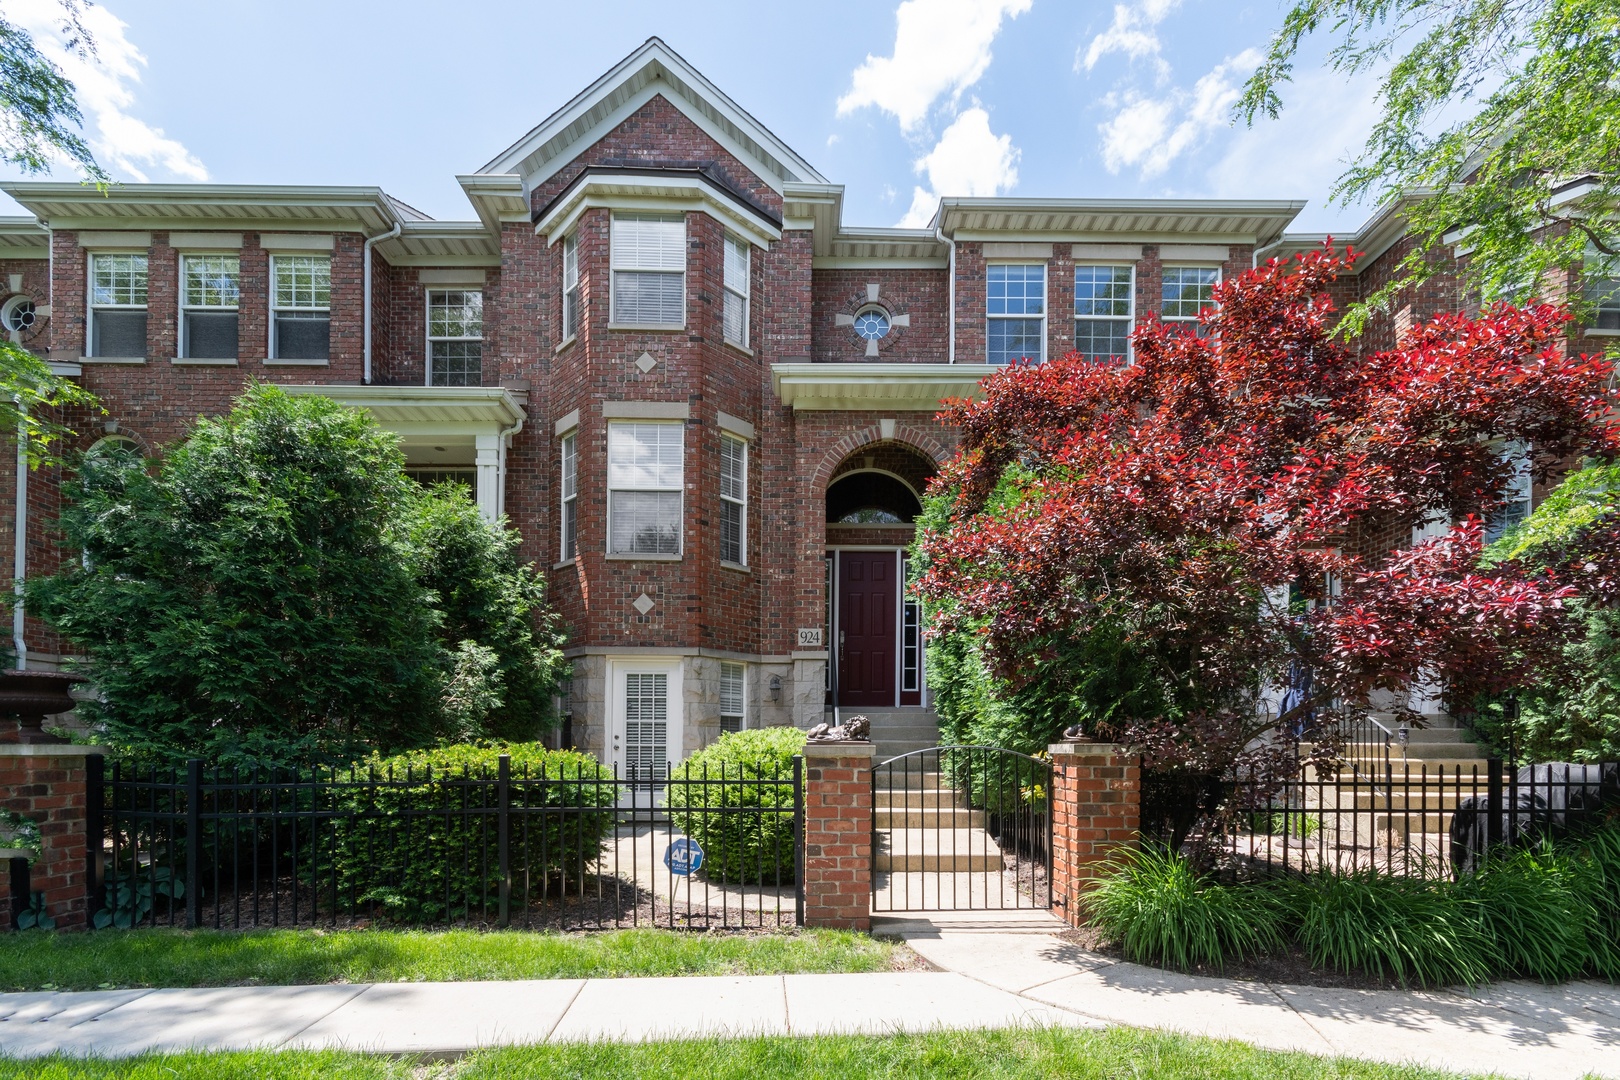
810, 639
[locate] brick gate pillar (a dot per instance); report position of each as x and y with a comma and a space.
838, 835
1096, 810
49, 783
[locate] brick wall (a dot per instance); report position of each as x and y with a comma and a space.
918, 294
1096, 811
838, 836
48, 785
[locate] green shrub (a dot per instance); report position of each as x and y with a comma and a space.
1414, 931
1160, 910
1295, 823
740, 848
1535, 908
407, 846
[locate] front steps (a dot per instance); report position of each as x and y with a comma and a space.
897, 731
921, 827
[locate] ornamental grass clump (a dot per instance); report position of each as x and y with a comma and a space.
1162, 911
1535, 907
1415, 932
420, 839
735, 798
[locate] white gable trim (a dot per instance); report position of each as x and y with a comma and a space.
545, 150
673, 194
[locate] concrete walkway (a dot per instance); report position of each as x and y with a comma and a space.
999, 971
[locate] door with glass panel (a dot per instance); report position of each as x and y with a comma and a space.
647, 727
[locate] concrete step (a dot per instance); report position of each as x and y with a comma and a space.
949, 850
1412, 824
1436, 766
900, 799
1396, 799
900, 778
927, 817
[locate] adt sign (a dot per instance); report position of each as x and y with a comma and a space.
683, 856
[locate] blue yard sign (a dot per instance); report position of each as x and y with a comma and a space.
683, 856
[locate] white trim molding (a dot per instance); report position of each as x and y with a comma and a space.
867, 387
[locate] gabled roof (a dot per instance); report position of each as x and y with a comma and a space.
652, 70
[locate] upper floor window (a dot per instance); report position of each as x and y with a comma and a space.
301, 307
570, 308
1103, 311
455, 337
733, 500
732, 697
1017, 300
1187, 290
649, 270
736, 283
1516, 499
644, 488
1601, 289
118, 305
570, 495
210, 294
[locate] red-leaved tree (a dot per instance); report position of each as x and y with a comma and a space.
1162, 535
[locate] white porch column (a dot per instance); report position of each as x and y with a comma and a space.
491, 474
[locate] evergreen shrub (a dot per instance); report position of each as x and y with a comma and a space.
740, 847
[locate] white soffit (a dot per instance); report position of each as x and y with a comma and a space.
426, 410
1224, 221
23, 238
652, 190
651, 71
876, 387
247, 207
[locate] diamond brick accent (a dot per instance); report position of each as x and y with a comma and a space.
643, 603
646, 362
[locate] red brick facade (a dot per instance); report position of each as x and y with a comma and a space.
49, 785
1096, 812
838, 836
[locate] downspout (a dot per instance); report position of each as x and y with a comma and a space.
502, 438
366, 300
19, 563
950, 289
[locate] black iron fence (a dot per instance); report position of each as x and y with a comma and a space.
1406, 817
957, 828
579, 847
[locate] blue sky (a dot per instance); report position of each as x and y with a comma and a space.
900, 101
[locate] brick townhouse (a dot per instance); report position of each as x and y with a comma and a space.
707, 403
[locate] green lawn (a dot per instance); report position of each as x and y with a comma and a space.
119, 958
1116, 1054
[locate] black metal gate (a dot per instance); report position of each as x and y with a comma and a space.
961, 828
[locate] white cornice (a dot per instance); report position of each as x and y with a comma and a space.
651, 191
234, 206
876, 387
425, 410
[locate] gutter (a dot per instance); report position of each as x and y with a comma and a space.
366, 301
950, 294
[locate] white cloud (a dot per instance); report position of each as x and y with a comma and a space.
1133, 32
105, 83
969, 159
941, 47
1148, 133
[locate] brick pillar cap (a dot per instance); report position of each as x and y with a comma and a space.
1085, 749
51, 750
839, 750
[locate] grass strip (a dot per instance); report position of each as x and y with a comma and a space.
181, 958
983, 1055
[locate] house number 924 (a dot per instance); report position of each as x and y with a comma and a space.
810, 639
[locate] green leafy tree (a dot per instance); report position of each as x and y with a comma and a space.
1499, 117
263, 595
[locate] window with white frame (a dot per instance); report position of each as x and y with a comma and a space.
648, 259
210, 294
1017, 312
911, 643
736, 313
1516, 499
732, 697
1600, 286
1104, 307
301, 307
455, 337
1184, 291
570, 309
644, 488
733, 500
118, 305
570, 494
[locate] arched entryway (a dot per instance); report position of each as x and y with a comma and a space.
872, 503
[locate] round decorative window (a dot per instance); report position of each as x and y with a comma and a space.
872, 324
18, 314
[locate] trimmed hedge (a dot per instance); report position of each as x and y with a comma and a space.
741, 847
408, 845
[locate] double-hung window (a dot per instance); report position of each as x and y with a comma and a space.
118, 305
570, 494
210, 295
1600, 287
301, 307
570, 308
455, 337
644, 488
1017, 315
732, 697
736, 289
1516, 499
649, 270
1103, 311
1187, 290
733, 500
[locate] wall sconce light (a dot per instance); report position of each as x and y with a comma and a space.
776, 689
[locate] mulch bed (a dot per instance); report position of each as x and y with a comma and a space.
1290, 967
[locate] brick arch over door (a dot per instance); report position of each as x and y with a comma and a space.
870, 440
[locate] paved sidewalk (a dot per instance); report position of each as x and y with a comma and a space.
1000, 970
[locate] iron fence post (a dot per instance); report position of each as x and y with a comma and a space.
194, 770
94, 835
503, 796
1495, 805
798, 840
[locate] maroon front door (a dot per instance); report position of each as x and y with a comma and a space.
867, 593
